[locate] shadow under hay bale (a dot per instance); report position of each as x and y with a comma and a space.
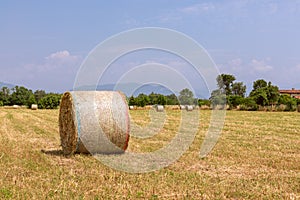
298, 108
94, 122
55, 152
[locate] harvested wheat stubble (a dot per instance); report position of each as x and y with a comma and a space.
94, 122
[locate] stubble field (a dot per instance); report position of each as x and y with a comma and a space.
256, 157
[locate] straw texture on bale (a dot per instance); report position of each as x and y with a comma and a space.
189, 108
159, 108
34, 107
94, 122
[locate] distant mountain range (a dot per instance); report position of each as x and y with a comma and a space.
127, 88
131, 88
135, 89
6, 85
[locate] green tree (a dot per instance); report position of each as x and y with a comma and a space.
31, 100
249, 104
259, 84
272, 94
50, 101
142, 100
5, 95
172, 99
289, 101
235, 100
203, 102
39, 94
239, 89
20, 96
132, 101
260, 96
264, 93
218, 97
161, 99
225, 82
186, 97
153, 98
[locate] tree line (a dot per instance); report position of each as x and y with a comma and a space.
186, 97
229, 92
22, 96
263, 95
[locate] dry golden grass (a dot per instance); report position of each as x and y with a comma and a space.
257, 157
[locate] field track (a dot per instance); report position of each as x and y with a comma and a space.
257, 157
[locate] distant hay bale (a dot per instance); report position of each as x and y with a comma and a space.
15, 106
182, 107
94, 122
34, 106
189, 108
131, 107
159, 108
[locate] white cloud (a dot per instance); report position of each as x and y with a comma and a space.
56, 71
260, 66
61, 56
235, 63
198, 8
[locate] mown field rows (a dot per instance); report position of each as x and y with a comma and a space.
256, 157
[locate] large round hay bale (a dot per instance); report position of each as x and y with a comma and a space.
159, 108
189, 108
94, 122
34, 106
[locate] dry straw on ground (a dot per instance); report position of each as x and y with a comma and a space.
257, 157
94, 122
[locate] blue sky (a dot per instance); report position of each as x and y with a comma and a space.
43, 43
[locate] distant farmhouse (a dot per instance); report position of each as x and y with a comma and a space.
293, 93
